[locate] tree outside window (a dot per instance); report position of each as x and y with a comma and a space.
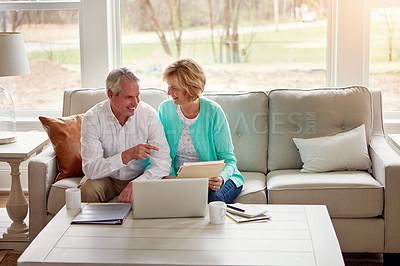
242, 45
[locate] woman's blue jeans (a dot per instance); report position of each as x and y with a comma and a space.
227, 193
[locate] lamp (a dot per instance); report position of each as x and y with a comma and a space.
13, 62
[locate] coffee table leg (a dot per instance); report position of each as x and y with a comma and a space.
17, 206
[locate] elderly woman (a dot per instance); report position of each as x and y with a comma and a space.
197, 130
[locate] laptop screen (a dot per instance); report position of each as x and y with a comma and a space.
168, 198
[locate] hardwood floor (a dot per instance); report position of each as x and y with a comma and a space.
3, 199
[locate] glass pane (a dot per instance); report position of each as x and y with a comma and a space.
262, 50
52, 46
385, 55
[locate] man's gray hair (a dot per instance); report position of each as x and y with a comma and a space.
114, 77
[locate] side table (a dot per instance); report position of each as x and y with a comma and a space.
26, 144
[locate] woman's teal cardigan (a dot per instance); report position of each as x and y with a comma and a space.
210, 135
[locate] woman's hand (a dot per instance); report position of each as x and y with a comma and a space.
215, 182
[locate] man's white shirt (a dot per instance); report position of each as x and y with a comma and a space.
103, 140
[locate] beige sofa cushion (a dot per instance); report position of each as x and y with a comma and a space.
254, 189
347, 194
311, 114
247, 115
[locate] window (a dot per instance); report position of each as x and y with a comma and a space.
269, 44
384, 71
51, 36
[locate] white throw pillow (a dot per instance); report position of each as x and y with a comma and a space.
343, 151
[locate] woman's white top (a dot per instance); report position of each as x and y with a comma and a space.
186, 151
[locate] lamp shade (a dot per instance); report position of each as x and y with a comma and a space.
13, 60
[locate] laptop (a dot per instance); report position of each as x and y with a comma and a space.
170, 198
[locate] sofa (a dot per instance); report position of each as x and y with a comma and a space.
363, 203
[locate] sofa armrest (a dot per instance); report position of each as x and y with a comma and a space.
42, 170
386, 169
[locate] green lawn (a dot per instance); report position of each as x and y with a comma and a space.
58, 57
286, 46
289, 46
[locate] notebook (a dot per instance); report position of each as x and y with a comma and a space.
246, 210
170, 198
105, 213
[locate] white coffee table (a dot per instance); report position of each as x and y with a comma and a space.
295, 235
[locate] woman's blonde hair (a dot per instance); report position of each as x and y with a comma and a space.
188, 75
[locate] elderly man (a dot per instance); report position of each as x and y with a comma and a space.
122, 139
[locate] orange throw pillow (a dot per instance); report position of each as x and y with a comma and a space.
65, 135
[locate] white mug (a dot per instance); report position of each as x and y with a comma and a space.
217, 212
73, 198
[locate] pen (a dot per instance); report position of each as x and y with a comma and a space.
235, 208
